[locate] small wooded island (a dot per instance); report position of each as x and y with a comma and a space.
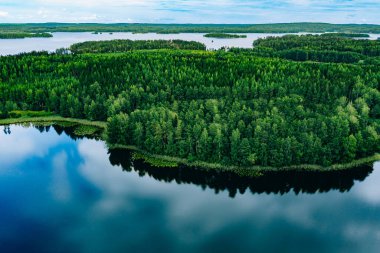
23, 35
224, 36
294, 101
346, 35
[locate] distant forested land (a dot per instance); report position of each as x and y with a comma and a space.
231, 108
346, 35
22, 35
114, 46
224, 35
317, 48
194, 28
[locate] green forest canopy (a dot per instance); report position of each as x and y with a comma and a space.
193, 28
115, 46
347, 35
231, 108
224, 35
22, 35
317, 48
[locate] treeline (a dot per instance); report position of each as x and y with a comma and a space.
346, 35
317, 48
217, 107
194, 28
224, 35
117, 46
23, 35
278, 182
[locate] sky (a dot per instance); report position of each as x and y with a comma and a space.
190, 11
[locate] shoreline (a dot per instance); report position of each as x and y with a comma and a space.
169, 161
52, 119
256, 170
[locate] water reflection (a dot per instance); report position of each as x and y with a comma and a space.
65, 39
65, 195
270, 182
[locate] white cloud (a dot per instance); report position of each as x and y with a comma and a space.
192, 11
3, 13
22, 144
370, 191
60, 185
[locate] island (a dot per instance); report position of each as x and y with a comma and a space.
294, 102
224, 36
118, 46
23, 35
347, 35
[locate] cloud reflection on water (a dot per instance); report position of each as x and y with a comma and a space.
70, 193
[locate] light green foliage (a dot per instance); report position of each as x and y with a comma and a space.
227, 108
119, 46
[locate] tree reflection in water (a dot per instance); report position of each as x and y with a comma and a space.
281, 182
270, 183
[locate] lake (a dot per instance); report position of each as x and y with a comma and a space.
59, 193
64, 40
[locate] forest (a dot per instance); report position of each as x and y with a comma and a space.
232, 108
346, 35
224, 36
115, 46
193, 28
23, 35
318, 48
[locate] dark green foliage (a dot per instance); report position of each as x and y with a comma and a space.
119, 46
84, 130
22, 35
194, 28
218, 107
317, 48
346, 35
20, 114
320, 42
224, 36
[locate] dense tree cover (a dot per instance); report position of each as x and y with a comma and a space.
320, 42
224, 35
317, 48
194, 28
22, 35
346, 35
114, 46
211, 106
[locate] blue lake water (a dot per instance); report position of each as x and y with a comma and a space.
59, 194
65, 39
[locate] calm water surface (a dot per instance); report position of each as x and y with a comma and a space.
59, 40
59, 194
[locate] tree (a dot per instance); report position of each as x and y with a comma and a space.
235, 145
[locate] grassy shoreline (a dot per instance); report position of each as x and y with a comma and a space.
247, 171
52, 119
168, 161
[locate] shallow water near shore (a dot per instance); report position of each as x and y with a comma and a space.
60, 193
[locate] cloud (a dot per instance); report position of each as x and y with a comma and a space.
192, 11
22, 144
370, 191
3, 14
